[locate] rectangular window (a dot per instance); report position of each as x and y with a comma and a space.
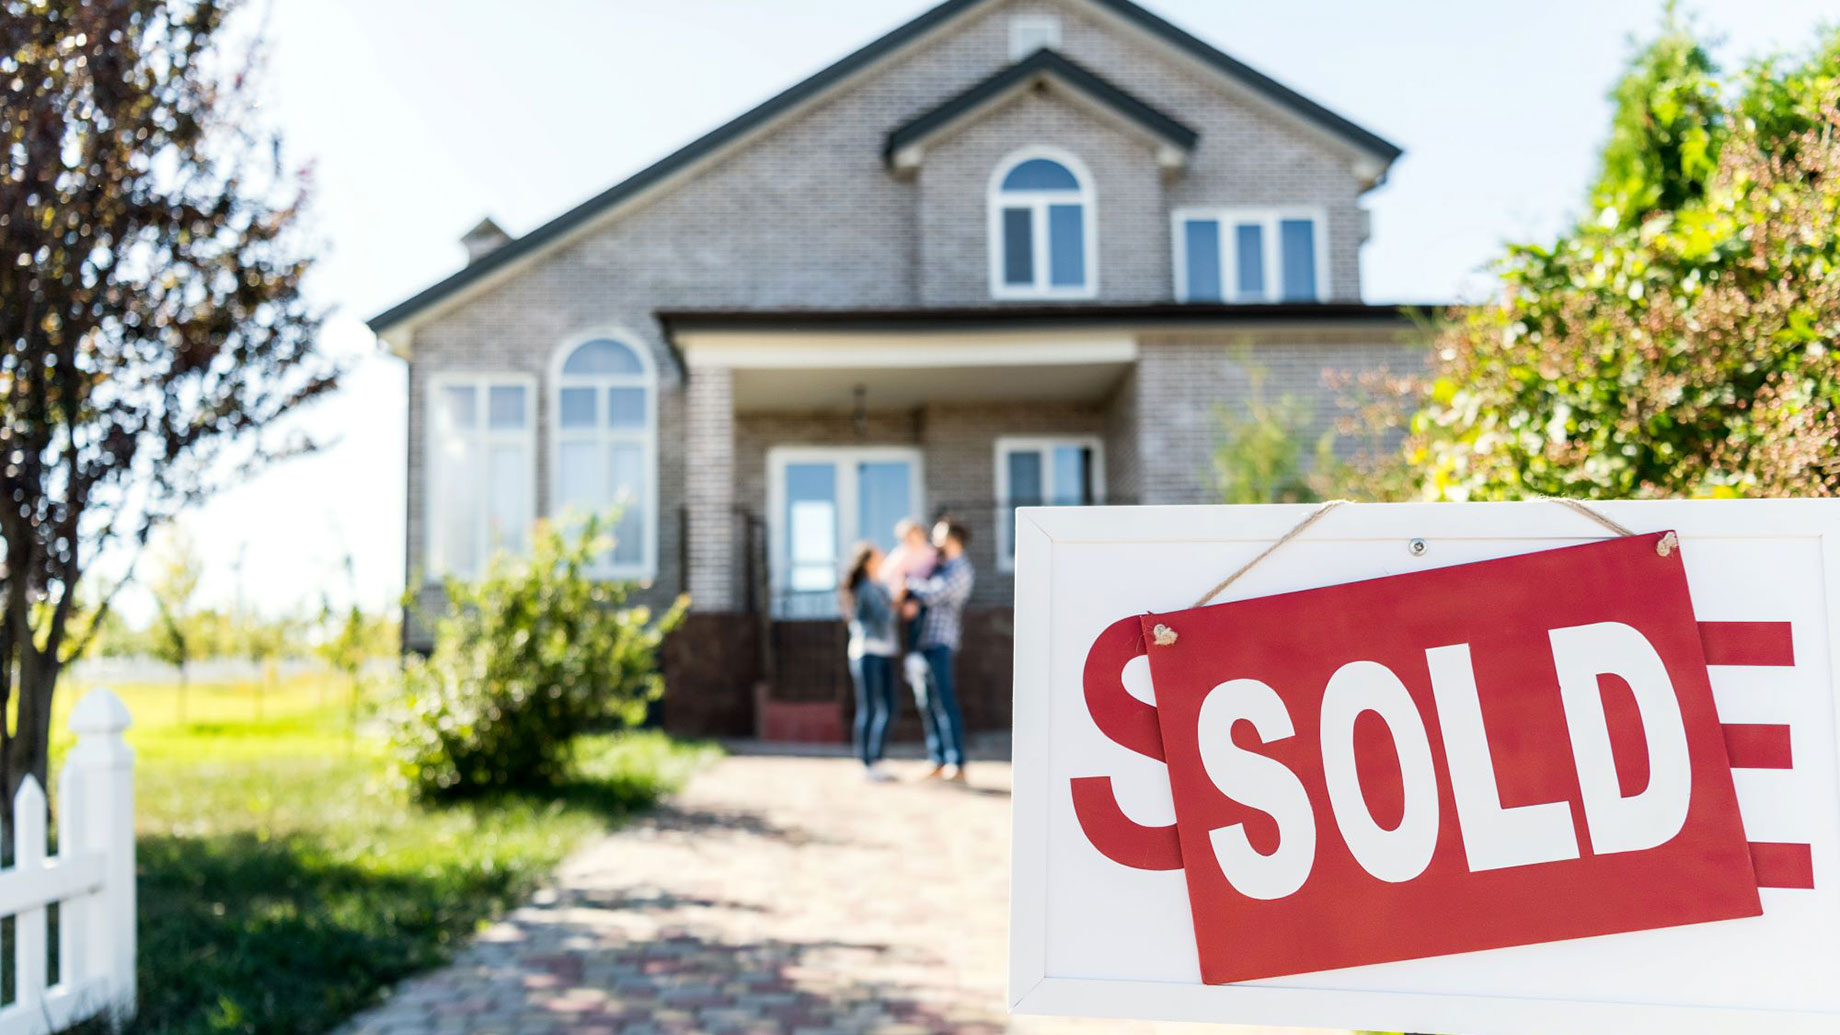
811, 527
1250, 256
627, 477
1060, 472
577, 408
1018, 247
1066, 245
1201, 238
625, 408
1249, 262
1298, 240
481, 457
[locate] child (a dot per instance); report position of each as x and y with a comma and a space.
913, 556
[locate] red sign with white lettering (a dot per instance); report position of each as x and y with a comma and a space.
1503, 753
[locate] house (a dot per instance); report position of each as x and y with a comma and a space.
1013, 251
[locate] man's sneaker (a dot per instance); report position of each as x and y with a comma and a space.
876, 774
955, 774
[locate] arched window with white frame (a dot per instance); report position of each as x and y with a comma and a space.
605, 421
1042, 239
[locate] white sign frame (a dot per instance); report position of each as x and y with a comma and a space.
1248, 530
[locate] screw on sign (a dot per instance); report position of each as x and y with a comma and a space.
1509, 752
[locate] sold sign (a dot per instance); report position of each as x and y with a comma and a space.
1503, 753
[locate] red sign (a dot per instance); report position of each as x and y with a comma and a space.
1503, 753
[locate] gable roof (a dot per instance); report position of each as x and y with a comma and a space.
563, 226
1043, 66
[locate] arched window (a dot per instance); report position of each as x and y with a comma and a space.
606, 421
1041, 228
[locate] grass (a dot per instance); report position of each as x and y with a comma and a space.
285, 881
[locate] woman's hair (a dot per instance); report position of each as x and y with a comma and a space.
860, 554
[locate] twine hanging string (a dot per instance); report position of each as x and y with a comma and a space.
1296, 530
1592, 514
1664, 547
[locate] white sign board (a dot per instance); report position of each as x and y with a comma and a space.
1093, 937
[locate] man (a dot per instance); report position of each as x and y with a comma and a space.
943, 595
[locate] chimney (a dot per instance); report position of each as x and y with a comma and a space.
485, 237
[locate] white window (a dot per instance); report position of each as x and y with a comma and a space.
822, 499
1029, 33
1041, 228
1033, 472
1250, 255
605, 460
481, 458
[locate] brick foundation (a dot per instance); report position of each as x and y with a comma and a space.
713, 686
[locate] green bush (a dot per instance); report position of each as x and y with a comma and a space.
533, 653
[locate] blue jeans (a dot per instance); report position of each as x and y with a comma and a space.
945, 727
873, 675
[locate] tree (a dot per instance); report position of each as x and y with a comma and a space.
1258, 449
535, 652
174, 583
1686, 349
351, 639
1666, 131
154, 331
263, 641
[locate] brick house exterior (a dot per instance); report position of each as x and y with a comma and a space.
835, 285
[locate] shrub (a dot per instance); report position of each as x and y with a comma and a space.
533, 653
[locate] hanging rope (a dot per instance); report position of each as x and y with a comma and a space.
1315, 516
1665, 546
1592, 514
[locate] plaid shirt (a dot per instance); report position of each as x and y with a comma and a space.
944, 593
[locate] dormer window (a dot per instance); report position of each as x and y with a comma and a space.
1029, 33
1249, 255
1041, 228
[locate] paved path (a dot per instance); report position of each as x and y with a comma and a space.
774, 895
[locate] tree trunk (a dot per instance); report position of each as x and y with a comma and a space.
28, 750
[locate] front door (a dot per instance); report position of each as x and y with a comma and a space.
821, 501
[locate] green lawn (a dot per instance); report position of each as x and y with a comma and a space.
284, 881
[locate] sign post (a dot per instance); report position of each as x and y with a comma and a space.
1482, 768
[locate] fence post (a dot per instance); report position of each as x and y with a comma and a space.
97, 786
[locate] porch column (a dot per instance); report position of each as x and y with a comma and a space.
713, 552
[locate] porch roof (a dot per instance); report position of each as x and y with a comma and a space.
843, 359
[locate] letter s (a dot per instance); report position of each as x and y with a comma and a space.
1129, 723
1257, 782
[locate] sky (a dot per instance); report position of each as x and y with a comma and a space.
419, 118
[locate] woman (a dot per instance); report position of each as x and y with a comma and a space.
870, 611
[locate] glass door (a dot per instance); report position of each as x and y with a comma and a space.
824, 500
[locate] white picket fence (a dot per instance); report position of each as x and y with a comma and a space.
90, 878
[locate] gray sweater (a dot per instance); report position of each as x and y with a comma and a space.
872, 620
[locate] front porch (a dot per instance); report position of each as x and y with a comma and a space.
801, 443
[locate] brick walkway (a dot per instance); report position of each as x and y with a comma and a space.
775, 895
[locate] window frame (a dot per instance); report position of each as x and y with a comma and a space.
434, 563
1045, 444
996, 199
848, 489
646, 570
1271, 219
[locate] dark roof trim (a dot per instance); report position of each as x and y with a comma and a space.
1039, 65
559, 227
1261, 83
680, 321
733, 129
